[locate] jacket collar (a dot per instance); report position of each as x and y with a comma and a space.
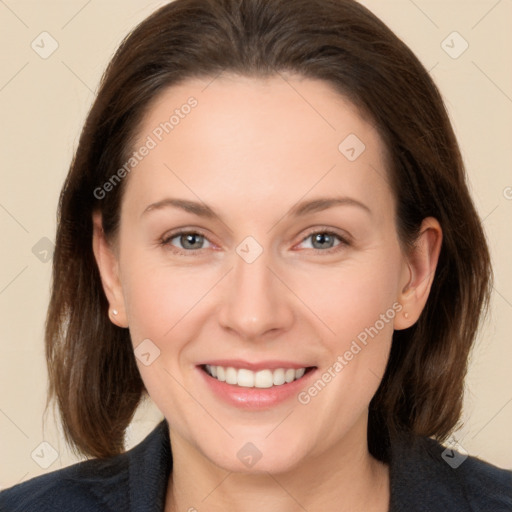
149, 469
421, 481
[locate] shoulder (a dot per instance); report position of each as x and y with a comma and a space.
487, 487
134, 480
83, 486
427, 476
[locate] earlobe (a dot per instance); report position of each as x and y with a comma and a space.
108, 268
422, 263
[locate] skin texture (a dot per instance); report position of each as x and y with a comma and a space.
252, 149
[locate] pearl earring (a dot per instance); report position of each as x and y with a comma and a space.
406, 315
115, 312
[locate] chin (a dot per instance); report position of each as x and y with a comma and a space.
256, 457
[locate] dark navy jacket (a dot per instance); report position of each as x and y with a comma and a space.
421, 481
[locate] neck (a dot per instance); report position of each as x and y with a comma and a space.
347, 476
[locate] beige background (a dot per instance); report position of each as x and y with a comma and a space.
43, 104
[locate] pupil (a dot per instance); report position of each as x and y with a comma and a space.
189, 240
322, 238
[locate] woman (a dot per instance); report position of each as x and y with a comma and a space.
266, 228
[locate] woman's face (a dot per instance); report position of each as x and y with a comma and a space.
257, 233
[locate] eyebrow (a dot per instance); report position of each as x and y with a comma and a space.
298, 210
318, 205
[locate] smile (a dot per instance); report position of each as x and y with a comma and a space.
265, 378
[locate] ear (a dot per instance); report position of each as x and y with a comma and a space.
418, 274
108, 266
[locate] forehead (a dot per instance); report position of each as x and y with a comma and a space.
218, 138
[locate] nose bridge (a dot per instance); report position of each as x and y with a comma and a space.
256, 302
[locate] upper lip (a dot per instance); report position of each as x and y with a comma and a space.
261, 365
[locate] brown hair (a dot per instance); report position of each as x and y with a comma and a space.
93, 376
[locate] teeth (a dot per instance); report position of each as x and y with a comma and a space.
263, 379
249, 379
278, 377
244, 378
231, 376
300, 372
289, 375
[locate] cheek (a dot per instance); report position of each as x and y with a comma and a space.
162, 305
158, 300
159, 295
352, 297
357, 305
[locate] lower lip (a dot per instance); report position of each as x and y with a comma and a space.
255, 398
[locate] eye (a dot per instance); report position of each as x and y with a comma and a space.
189, 241
325, 241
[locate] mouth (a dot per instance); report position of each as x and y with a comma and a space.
263, 378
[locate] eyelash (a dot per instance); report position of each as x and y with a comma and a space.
166, 239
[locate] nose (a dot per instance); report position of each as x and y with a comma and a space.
256, 303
